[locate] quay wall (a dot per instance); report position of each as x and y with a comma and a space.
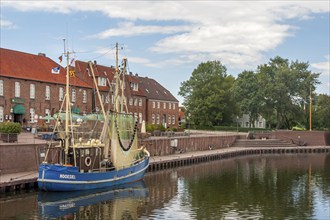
16, 158
311, 138
172, 145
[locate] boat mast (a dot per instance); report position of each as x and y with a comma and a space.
67, 103
117, 82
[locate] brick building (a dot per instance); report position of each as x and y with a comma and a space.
30, 89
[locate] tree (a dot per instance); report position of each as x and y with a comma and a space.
285, 87
247, 95
322, 112
207, 95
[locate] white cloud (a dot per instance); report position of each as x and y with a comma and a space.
236, 32
324, 69
5, 24
129, 29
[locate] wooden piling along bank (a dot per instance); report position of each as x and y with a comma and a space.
196, 158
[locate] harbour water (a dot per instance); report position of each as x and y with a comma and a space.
291, 186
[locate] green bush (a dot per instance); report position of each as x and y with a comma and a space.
10, 128
150, 128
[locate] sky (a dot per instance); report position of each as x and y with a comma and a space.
166, 40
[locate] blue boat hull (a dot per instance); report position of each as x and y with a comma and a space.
54, 177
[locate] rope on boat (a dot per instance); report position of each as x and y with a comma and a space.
119, 139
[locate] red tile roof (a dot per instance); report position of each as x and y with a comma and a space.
22, 65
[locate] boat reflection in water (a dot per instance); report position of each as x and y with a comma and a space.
115, 202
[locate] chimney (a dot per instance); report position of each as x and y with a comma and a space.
42, 54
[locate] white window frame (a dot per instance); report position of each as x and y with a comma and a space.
169, 119
173, 119
140, 118
174, 106
158, 104
73, 95
1, 113
101, 81
84, 96
47, 93
140, 102
153, 104
135, 101
61, 94
158, 119
130, 101
32, 113
169, 105
164, 105
32, 91
47, 113
153, 119
17, 89
1, 88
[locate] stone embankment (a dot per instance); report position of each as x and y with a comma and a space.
19, 161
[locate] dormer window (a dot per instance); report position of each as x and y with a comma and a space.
135, 86
101, 81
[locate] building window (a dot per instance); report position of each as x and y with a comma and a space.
17, 89
101, 81
140, 102
1, 87
32, 113
130, 101
47, 93
107, 99
140, 118
153, 118
135, 86
169, 105
158, 104
32, 91
135, 116
173, 119
164, 105
47, 113
153, 105
158, 119
61, 94
84, 96
169, 119
73, 95
135, 102
174, 106
102, 98
1, 114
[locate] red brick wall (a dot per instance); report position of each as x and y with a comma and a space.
19, 158
312, 138
162, 146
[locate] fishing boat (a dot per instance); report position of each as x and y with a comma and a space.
93, 152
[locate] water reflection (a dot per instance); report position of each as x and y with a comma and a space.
270, 187
115, 203
256, 187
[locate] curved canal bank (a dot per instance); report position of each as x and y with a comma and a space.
28, 180
19, 161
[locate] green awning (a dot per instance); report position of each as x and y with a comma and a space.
19, 109
75, 110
